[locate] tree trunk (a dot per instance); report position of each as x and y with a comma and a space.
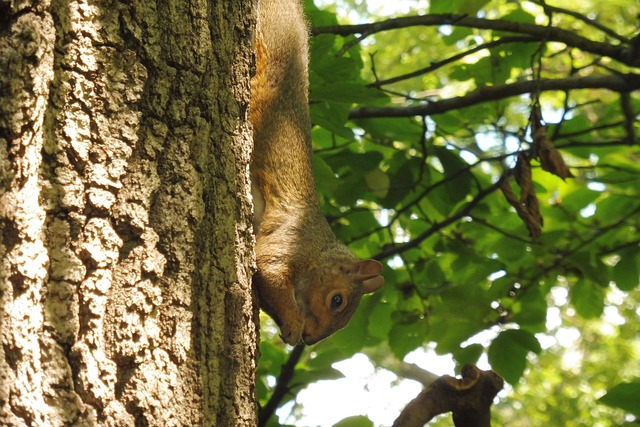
126, 246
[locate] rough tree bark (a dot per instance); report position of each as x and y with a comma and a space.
125, 247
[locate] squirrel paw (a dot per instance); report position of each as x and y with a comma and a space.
292, 332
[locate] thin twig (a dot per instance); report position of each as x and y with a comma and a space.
434, 66
282, 386
487, 224
442, 224
591, 22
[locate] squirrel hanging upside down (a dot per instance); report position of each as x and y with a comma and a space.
307, 281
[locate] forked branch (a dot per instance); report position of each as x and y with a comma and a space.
468, 399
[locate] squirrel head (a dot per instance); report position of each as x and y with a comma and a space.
331, 295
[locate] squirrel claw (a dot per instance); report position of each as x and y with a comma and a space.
291, 339
292, 333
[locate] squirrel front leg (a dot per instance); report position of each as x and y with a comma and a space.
278, 300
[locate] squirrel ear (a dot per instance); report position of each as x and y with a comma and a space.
372, 285
369, 273
367, 269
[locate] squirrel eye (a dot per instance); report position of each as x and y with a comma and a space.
336, 301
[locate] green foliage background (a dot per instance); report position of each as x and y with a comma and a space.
422, 194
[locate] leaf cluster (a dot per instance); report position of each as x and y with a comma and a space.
423, 126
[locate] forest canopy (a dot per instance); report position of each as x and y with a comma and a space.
487, 153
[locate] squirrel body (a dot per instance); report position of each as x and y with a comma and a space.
307, 281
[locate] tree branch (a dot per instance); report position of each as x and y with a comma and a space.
586, 131
617, 83
608, 31
434, 66
629, 117
468, 399
428, 189
543, 33
505, 233
573, 247
282, 386
382, 356
445, 222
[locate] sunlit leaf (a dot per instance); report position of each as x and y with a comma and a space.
468, 355
355, 421
444, 6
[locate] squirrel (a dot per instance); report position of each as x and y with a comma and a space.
306, 280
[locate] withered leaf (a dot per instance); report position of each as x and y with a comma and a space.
527, 206
550, 159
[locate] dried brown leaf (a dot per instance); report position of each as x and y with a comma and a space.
527, 206
550, 158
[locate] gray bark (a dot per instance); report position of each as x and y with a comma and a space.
126, 245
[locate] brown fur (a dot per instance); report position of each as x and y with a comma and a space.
301, 265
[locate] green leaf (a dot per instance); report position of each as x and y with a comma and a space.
354, 336
378, 182
614, 207
402, 129
328, 67
453, 122
509, 249
500, 287
468, 355
626, 273
326, 179
625, 396
332, 116
347, 162
619, 160
520, 15
429, 278
272, 358
458, 34
591, 267
463, 7
576, 197
318, 17
355, 224
530, 310
588, 298
470, 268
308, 376
515, 56
406, 338
402, 173
445, 6
324, 356
355, 421
380, 323
449, 330
508, 353
344, 92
